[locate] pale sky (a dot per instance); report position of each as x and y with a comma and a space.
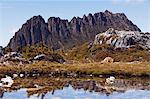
14, 13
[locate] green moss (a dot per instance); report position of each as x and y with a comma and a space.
31, 51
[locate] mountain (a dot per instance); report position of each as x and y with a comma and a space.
123, 39
59, 33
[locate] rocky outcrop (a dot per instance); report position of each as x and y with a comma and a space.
58, 33
123, 39
13, 58
52, 58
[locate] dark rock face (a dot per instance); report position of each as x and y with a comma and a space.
1, 51
58, 33
34, 31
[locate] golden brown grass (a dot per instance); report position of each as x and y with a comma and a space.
95, 68
99, 52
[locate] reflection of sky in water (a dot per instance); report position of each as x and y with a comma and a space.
70, 93
19, 94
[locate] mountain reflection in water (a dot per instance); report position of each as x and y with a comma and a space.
76, 88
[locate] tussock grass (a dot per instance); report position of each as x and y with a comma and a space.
96, 68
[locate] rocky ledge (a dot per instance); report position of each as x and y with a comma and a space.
123, 39
16, 58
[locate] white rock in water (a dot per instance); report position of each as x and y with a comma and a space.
110, 80
15, 75
1, 84
21, 75
7, 82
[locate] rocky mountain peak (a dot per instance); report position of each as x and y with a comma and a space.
108, 12
85, 19
35, 19
59, 33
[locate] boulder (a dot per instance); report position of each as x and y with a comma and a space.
40, 57
108, 60
52, 58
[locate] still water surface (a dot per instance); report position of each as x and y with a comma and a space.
66, 88
70, 93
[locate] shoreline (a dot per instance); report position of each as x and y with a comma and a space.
95, 69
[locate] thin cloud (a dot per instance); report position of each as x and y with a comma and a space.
128, 1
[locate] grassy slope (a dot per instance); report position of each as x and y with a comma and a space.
85, 54
99, 52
